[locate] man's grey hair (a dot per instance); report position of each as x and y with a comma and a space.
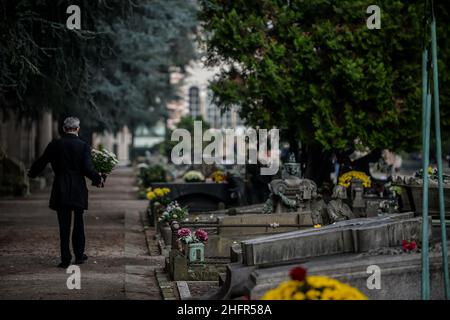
71, 123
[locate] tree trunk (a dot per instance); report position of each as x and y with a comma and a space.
293, 147
290, 135
318, 164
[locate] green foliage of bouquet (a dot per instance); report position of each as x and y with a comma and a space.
103, 160
154, 173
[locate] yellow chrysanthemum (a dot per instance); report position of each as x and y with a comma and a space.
218, 176
328, 294
319, 281
151, 195
346, 179
284, 291
318, 288
313, 294
159, 192
299, 296
272, 295
166, 190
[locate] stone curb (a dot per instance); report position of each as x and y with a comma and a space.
183, 290
165, 285
152, 247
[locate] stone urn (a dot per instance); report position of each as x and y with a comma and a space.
155, 211
358, 202
195, 252
166, 232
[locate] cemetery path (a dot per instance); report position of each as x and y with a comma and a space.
119, 265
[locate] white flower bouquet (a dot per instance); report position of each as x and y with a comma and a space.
104, 161
194, 176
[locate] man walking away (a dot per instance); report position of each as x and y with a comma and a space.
70, 158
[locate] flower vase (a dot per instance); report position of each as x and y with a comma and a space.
156, 210
195, 252
166, 233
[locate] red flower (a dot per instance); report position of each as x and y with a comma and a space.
405, 245
202, 235
409, 245
298, 274
184, 232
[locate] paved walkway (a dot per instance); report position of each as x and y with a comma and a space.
119, 265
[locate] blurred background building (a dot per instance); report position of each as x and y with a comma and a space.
196, 99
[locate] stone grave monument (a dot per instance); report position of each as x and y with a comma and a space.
343, 250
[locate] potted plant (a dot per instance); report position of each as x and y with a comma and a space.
172, 212
193, 244
218, 177
347, 178
158, 200
151, 174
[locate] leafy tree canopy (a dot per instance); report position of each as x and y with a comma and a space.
315, 69
114, 71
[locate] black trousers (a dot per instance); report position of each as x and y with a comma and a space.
78, 240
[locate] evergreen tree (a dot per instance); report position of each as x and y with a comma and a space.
135, 85
115, 71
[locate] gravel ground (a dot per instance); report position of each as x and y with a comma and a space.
119, 266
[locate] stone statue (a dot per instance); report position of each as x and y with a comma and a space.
291, 168
319, 213
291, 193
337, 209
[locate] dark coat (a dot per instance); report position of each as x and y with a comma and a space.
71, 161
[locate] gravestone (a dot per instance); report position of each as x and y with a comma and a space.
357, 235
198, 196
235, 228
337, 209
339, 240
